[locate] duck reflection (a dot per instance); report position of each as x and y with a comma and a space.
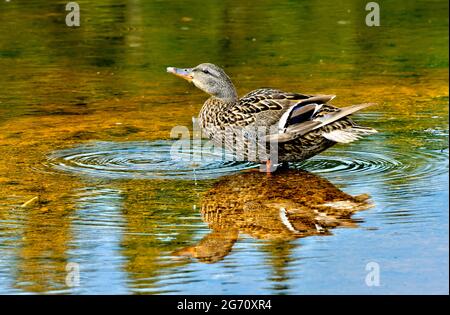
284, 206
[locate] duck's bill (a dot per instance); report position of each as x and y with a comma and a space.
182, 73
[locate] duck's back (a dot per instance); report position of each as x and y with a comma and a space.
301, 125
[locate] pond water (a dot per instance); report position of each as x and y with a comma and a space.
87, 181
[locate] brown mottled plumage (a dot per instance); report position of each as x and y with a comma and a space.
288, 205
266, 121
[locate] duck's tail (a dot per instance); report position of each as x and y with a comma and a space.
348, 135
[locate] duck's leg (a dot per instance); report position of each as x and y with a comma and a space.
272, 167
264, 167
268, 167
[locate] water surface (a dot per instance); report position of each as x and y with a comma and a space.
86, 175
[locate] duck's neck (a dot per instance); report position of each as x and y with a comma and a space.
227, 95
224, 101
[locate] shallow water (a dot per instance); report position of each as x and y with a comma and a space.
146, 160
86, 174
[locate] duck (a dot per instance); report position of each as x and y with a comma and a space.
268, 125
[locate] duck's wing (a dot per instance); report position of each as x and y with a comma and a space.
266, 107
328, 117
294, 115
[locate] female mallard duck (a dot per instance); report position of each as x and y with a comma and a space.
269, 125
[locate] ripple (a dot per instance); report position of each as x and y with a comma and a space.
157, 160
371, 167
144, 160
363, 163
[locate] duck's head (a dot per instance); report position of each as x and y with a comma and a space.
208, 78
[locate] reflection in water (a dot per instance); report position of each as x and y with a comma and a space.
287, 205
158, 217
98, 226
42, 254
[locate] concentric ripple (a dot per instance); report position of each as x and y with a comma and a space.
157, 159
370, 167
363, 163
144, 160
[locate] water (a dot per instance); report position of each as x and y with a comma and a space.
87, 175
147, 160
